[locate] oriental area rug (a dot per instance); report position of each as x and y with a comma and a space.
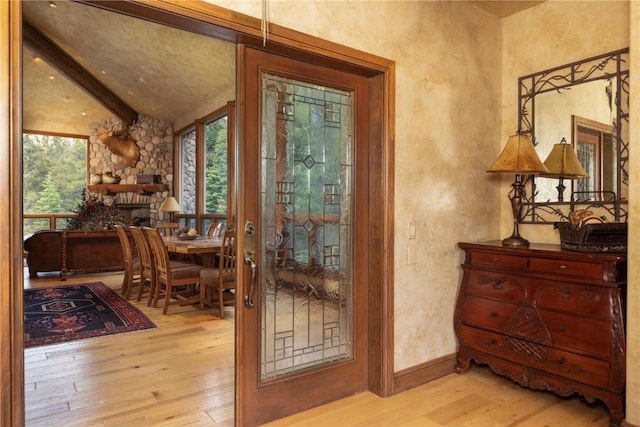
74, 312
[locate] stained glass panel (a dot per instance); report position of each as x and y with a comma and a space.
306, 226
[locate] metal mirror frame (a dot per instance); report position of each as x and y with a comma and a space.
559, 79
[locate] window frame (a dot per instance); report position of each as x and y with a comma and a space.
200, 220
54, 219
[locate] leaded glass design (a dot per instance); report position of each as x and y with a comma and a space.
586, 154
306, 209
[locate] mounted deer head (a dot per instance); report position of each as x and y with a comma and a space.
126, 149
114, 137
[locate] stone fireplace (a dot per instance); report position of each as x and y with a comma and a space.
137, 214
154, 138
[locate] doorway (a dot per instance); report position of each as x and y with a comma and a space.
217, 22
305, 206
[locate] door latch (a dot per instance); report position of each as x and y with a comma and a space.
250, 259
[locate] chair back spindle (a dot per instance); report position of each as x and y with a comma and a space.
147, 265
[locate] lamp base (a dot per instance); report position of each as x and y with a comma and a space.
516, 195
515, 242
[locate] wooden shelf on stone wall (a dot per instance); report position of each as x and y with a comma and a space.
126, 188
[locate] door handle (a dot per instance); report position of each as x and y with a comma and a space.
250, 259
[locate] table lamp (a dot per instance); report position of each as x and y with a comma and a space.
170, 204
563, 164
520, 158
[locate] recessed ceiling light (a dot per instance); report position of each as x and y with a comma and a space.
52, 77
53, 5
130, 92
83, 113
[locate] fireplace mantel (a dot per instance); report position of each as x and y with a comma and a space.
126, 188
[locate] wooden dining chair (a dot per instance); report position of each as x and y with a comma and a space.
177, 279
221, 278
214, 229
131, 263
147, 265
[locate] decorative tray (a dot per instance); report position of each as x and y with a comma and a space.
601, 237
186, 236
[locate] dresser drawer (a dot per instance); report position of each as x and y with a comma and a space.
499, 260
572, 298
590, 270
586, 370
487, 314
497, 286
589, 336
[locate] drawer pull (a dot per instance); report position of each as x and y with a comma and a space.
562, 267
560, 361
561, 328
493, 314
565, 290
496, 260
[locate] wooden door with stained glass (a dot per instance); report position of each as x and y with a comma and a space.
302, 334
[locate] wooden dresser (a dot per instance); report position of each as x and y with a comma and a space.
546, 318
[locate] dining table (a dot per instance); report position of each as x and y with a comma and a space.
204, 247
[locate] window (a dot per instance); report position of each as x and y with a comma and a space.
597, 152
203, 169
215, 170
54, 178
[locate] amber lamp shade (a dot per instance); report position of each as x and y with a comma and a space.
563, 163
520, 158
170, 204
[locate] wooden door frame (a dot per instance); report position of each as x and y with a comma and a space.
211, 20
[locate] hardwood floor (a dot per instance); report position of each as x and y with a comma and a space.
181, 374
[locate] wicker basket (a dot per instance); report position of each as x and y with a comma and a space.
607, 237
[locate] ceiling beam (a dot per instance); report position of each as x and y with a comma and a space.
53, 55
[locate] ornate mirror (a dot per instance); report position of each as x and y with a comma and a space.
586, 103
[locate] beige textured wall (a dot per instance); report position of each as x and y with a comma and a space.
447, 56
560, 35
456, 104
564, 32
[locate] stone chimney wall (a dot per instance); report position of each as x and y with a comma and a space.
154, 138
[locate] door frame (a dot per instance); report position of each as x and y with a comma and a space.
214, 21
258, 400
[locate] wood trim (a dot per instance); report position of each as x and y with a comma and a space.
57, 58
214, 21
200, 176
126, 188
228, 25
423, 373
11, 305
65, 135
381, 299
232, 195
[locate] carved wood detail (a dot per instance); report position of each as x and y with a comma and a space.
534, 340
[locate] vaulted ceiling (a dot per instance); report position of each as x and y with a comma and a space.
148, 68
109, 64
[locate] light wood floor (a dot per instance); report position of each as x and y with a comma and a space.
181, 374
